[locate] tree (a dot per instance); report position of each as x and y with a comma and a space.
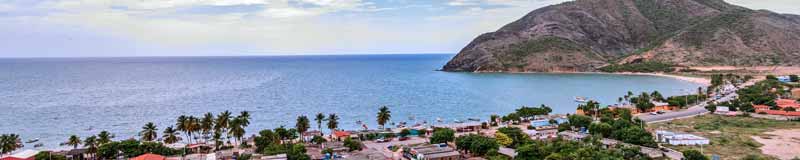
794, 78
352, 145
657, 96
8, 143
384, 115
207, 125
46, 155
149, 132
91, 145
237, 128
319, 118
590, 107
634, 135
516, 135
73, 141
503, 139
493, 119
170, 136
302, 124
579, 121
182, 124
694, 155
476, 144
603, 129
318, 140
104, 137
222, 121
443, 135
333, 122
771, 77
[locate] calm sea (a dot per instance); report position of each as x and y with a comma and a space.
53, 98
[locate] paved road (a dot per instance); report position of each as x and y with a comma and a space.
695, 110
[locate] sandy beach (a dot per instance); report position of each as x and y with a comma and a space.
784, 144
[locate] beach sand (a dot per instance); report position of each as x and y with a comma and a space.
784, 144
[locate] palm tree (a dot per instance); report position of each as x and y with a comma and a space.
9, 143
169, 135
245, 118
333, 122
91, 145
193, 126
237, 128
302, 125
320, 117
182, 124
104, 137
207, 125
657, 96
149, 132
222, 121
384, 115
73, 141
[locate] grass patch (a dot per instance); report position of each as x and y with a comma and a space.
730, 136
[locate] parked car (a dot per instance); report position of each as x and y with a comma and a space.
653, 113
383, 140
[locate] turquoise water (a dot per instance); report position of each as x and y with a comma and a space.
51, 99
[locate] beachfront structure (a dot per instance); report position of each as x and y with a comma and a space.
23, 155
461, 127
545, 128
681, 138
433, 152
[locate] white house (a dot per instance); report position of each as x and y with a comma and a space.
681, 138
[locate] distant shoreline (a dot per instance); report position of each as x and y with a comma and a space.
698, 80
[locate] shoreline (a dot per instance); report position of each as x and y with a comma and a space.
698, 80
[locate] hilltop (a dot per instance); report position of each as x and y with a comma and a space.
610, 35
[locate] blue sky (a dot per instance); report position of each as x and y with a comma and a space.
110, 28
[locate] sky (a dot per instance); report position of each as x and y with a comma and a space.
123, 28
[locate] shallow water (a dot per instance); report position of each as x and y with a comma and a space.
51, 99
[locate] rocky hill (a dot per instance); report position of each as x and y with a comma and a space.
586, 35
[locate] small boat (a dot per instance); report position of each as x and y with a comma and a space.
89, 129
580, 99
458, 121
474, 119
439, 120
38, 145
359, 122
33, 140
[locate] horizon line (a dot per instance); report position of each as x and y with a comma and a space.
186, 56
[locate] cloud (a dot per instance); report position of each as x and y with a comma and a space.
234, 27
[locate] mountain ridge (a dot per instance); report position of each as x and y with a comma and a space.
585, 35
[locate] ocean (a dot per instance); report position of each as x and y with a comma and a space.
53, 98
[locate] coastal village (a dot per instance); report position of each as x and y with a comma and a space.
638, 126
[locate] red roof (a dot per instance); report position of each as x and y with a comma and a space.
783, 103
761, 107
341, 133
149, 156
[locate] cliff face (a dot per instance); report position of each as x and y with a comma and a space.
586, 34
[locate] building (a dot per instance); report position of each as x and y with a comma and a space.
23, 155
681, 138
781, 105
149, 156
784, 79
461, 127
542, 133
724, 110
433, 152
308, 135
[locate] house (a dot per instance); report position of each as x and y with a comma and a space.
433, 152
149, 156
341, 135
23, 155
571, 135
781, 103
546, 133
681, 138
308, 135
461, 127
